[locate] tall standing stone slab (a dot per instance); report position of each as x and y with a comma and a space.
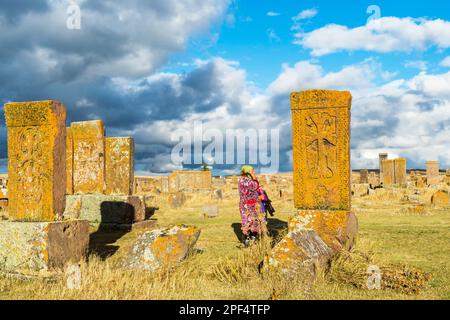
321, 152
364, 176
321, 149
400, 171
381, 157
88, 156
432, 172
119, 165
36, 160
69, 161
388, 169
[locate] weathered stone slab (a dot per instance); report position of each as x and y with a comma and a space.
321, 144
114, 209
432, 172
119, 165
42, 245
176, 200
299, 251
338, 229
400, 171
167, 246
190, 180
381, 157
69, 161
388, 169
88, 156
364, 176
36, 160
210, 211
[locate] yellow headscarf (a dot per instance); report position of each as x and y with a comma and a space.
246, 169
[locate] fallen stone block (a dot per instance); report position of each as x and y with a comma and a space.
440, 199
40, 246
299, 251
166, 246
99, 208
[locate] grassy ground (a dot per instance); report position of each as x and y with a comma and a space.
222, 269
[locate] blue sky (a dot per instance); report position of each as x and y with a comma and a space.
148, 68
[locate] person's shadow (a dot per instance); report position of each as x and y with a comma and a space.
275, 227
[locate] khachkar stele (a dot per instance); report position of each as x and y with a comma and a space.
321, 154
34, 237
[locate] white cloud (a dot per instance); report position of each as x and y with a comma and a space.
387, 34
306, 14
445, 62
273, 35
273, 14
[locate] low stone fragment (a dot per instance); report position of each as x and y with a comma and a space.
167, 246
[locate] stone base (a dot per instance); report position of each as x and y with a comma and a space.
104, 209
338, 229
40, 246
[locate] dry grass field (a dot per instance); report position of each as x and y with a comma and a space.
391, 233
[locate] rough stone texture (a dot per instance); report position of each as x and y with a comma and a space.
36, 160
374, 179
400, 171
432, 172
167, 246
364, 176
394, 171
338, 229
190, 180
147, 184
210, 211
119, 165
97, 208
440, 199
176, 200
299, 250
69, 161
88, 156
42, 245
381, 157
321, 149
420, 182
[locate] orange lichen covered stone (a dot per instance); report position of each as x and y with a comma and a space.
338, 229
167, 246
36, 160
400, 170
321, 149
388, 169
119, 165
440, 199
301, 250
69, 161
88, 156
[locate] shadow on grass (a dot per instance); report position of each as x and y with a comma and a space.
275, 227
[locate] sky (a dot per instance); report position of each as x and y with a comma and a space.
149, 68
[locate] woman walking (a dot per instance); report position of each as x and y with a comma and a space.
252, 213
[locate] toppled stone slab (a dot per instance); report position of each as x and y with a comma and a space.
338, 229
440, 199
99, 208
299, 251
40, 246
166, 246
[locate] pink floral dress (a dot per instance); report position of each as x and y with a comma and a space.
253, 220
